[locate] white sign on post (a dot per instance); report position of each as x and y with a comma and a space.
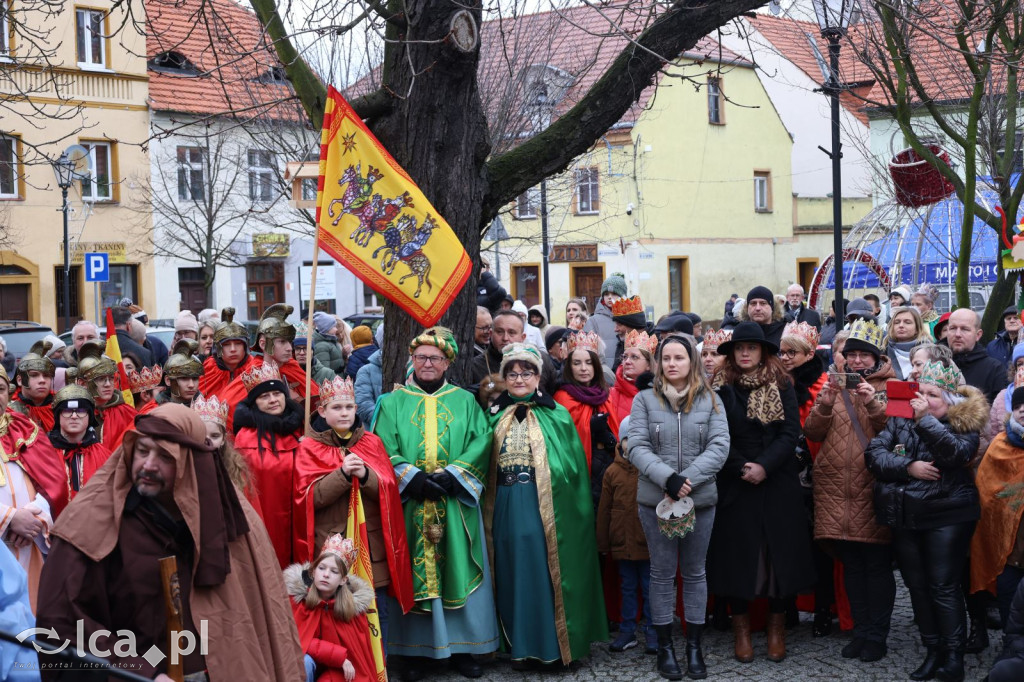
326, 287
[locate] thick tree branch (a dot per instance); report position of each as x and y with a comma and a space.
373, 105
550, 152
308, 86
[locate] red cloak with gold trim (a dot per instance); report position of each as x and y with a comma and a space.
21, 443
40, 414
215, 379
317, 460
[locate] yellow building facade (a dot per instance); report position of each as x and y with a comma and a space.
84, 84
692, 202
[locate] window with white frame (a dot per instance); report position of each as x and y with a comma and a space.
588, 191
98, 185
526, 205
89, 38
5, 29
762, 191
8, 167
716, 101
309, 189
191, 174
261, 175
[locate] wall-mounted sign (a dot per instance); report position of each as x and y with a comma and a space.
326, 285
117, 251
270, 245
573, 253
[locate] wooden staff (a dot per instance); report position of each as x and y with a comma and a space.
172, 603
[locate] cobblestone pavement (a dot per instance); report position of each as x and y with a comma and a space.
808, 658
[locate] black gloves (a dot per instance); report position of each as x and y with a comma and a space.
600, 434
673, 486
433, 486
445, 481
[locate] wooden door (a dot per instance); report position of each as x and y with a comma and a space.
264, 287
586, 284
526, 284
193, 296
14, 302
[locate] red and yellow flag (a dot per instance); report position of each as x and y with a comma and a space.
355, 530
113, 352
375, 221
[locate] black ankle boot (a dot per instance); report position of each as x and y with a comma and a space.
695, 668
977, 639
953, 669
668, 666
930, 665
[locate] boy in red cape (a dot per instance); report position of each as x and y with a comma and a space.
336, 449
230, 357
75, 437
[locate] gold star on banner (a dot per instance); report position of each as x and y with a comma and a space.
349, 143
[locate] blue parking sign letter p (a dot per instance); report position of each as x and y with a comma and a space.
97, 268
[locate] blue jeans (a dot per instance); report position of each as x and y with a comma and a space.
634, 574
310, 668
382, 613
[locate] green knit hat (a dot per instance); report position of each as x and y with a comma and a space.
616, 283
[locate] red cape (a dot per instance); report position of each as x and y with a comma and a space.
235, 392
338, 641
38, 459
215, 379
621, 395
93, 457
273, 474
115, 422
315, 461
581, 414
40, 414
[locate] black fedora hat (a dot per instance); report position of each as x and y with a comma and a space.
748, 332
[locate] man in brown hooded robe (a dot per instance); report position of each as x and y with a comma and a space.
162, 493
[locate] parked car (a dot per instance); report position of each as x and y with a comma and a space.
20, 335
371, 320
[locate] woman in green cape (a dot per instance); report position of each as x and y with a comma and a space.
540, 522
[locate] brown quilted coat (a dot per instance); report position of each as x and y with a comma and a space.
618, 522
843, 501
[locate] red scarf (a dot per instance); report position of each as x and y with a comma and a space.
581, 414
622, 395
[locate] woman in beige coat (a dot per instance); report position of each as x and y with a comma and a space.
844, 514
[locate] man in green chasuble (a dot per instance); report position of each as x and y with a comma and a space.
439, 443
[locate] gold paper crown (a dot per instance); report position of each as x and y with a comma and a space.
803, 331
638, 339
229, 329
212, 410
183, 362
341, 547
146, 379
1018, 377
583, 341
868, 332
937, 374
265, 371
576, 323
337, 389
713, 339
36, 361
627, 306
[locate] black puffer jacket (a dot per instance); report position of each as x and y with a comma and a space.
910, 503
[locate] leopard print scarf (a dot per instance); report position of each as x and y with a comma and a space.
765, 403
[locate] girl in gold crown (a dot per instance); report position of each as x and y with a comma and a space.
329, 605
926, 494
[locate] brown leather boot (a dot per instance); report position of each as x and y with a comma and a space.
776, 632
744, 650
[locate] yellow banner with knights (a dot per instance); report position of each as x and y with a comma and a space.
374, 220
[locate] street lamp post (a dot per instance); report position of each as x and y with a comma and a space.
834, 19
64, 169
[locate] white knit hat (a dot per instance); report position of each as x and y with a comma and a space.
186, 322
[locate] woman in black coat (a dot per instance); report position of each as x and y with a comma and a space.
925, 491
760, 546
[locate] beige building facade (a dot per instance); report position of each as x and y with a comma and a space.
85, 84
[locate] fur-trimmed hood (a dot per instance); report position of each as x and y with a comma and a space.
296, 587
970, 416
777, 312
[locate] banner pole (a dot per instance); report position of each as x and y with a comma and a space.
310, 329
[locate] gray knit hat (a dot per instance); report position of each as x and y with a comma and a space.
616, 283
